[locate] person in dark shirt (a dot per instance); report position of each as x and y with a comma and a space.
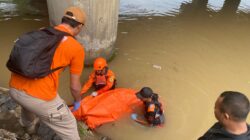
231, 110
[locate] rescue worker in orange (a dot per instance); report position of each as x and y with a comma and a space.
153, 108
102, 78
39, 97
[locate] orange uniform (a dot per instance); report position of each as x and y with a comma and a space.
68, 53
108, 80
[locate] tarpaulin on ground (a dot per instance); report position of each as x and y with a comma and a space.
107, 107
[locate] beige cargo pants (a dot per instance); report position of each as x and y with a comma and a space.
53, 113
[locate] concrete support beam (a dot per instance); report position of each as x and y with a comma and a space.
99, 35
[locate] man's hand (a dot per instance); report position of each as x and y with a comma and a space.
94, 94
77, 105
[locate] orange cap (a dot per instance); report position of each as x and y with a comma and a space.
100, 63
76, 14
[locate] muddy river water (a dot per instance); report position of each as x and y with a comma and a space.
187, 51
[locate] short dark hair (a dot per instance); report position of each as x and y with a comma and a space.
70, 22
235, 104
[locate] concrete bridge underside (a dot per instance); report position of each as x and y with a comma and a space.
99, 34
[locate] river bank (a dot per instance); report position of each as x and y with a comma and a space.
10, 128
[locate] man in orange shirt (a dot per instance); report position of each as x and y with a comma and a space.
102, 78
39, 98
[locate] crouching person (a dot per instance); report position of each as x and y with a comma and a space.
102, 78
153, 111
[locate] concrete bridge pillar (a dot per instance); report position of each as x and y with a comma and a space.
99, 33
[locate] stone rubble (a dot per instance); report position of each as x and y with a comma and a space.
10, 129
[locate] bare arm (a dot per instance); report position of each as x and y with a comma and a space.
89, 83
75, 86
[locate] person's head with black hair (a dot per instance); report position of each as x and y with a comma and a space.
231, 110
235, 104
74, 18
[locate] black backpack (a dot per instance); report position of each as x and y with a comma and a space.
33, 53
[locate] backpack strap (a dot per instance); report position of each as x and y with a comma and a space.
52, 30
55, 69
